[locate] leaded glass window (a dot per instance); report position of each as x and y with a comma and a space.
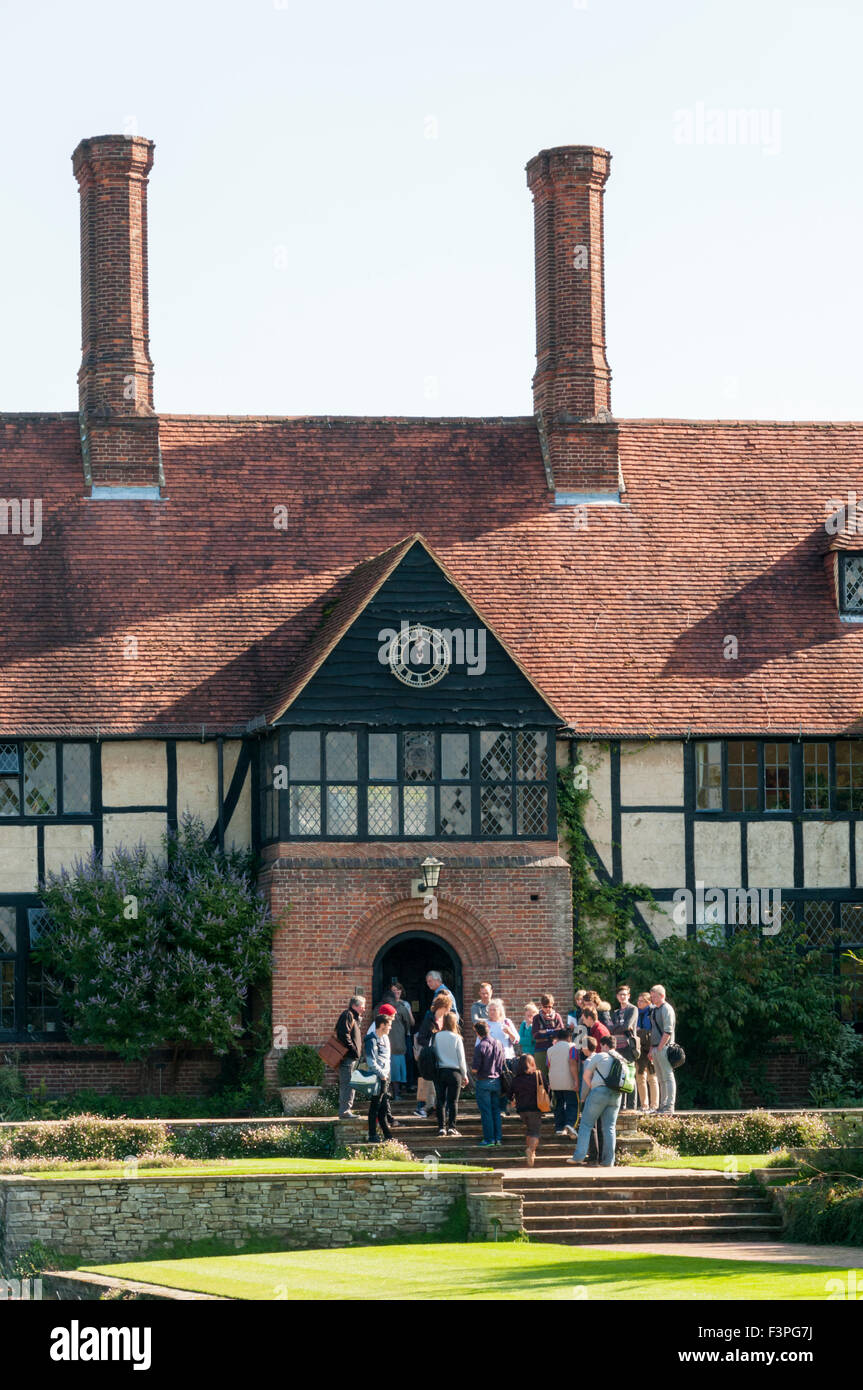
849, 774
455, 810
419, 757
416, 783
852, 584
40, 779
418, 811
816, 777
77, 779
305, 810
743, 776
708, 775
777, 777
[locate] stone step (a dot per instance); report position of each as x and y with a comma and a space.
649, 1235
607, 1206
654, 1219
630, 1180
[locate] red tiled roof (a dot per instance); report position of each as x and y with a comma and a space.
621, 625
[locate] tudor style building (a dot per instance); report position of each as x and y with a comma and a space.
360, 643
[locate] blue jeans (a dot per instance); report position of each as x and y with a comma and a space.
602, 1105
488, 1100
565, 1108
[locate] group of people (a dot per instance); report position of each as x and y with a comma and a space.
573, 1059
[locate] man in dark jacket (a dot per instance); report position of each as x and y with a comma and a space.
624, 1030
350, 1036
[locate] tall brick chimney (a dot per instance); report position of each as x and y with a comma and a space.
119, 429
572, 383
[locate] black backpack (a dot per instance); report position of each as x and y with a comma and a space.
427, 1063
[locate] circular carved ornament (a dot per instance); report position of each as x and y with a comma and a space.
419, 656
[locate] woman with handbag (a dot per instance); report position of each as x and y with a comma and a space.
504, 1031
377, 1059
531, 1102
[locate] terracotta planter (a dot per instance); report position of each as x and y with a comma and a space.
295, 1099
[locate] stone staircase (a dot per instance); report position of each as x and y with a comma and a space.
580, 1206
642, 1207
422, 1139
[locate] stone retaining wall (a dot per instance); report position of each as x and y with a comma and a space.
97, 1221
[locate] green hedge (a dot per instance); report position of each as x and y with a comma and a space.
240, 1141
90, 1137
85, 1136
822, 1213
754, 1133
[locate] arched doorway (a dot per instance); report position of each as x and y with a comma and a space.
408, 957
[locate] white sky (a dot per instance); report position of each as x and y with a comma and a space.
313, 251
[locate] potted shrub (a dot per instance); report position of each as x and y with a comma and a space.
300, 1076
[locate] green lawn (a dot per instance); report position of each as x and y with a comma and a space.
230, 1167
716, 1163
508, 1270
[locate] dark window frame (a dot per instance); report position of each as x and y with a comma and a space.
844, 608
473, 781
22, 903
61, 814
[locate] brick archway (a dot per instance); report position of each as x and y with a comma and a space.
459, 926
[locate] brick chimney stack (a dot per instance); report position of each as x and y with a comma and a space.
572, 383
119, 429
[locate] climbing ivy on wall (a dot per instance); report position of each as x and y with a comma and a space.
602, 912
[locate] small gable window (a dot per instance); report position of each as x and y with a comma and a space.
851, 583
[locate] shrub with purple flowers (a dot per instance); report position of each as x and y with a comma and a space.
153, 950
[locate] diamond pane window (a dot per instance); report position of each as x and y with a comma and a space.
418, 811
40, 779
851, 924
76, 779
532, 810
383, 810
8, 932
743, 776
496, 811
383, 758
816, 777
305, 749
777, 777
455, 814
495, 748
852, 584
9, 757
419, 757
341, 757
454, 756
305, 813
37, 921
531, 754
7, 994
10, 796
849, 774
708, 776
341, 810
819, 923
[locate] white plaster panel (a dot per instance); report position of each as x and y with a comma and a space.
66, 843
717, 853
826, 860
130, 828
19, 860
651, 774
238, 831
771, 855
661, 923
596, 759
134, 773
198, 781
653, 849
